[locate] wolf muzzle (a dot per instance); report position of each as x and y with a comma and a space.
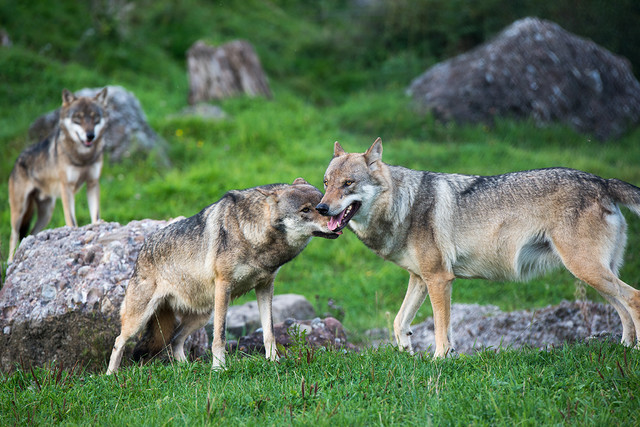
323, 209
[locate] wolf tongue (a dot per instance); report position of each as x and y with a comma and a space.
334, 221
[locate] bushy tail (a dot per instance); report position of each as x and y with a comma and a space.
625, 194
157, 335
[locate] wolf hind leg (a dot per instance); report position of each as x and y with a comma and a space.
45, 212
626, 301
628, 327
594, 269
22, 209
190, 323
157, 334
137, 309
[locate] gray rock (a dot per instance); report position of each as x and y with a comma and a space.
5, 40
245, 318
476, 327
317, 333
63, 291
225, 71
127, 132
534, 69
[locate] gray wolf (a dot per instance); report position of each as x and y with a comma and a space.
440, 226
197, 264
58, 166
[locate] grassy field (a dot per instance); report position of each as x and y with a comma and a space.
587, 384
325, 89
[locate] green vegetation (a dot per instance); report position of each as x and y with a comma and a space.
336, 74
594, 384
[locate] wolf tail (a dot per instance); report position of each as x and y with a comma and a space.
157, 335
625, 194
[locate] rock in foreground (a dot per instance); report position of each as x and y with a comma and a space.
61, 299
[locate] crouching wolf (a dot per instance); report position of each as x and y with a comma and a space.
514, 226
199, 263
58, 166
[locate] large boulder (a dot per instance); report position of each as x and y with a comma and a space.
61, 298
127, 132
534, 69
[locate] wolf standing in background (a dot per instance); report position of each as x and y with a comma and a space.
199, 263
58, 166
514, 226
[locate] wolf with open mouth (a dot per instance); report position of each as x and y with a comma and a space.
514, 226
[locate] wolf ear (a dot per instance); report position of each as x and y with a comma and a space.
101, 96
67, 97
338, 150
298, 181
374, 153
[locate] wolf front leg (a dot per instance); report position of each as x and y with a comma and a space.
415, 296
264, 295
93, 190
93, 198
221, 306
68, 204
440, 295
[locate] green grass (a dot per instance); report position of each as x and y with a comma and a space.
326, 87
588, 384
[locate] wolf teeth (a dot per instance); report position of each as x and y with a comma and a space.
346, 213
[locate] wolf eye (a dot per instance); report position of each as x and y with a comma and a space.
326, 182
348, 182
305, 210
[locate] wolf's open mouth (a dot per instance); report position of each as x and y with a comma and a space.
338, 222
85, 141
327, 235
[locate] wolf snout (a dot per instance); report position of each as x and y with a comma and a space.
91, 136
323, 209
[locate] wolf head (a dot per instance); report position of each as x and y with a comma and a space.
293, 211
351, 184
83, 119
